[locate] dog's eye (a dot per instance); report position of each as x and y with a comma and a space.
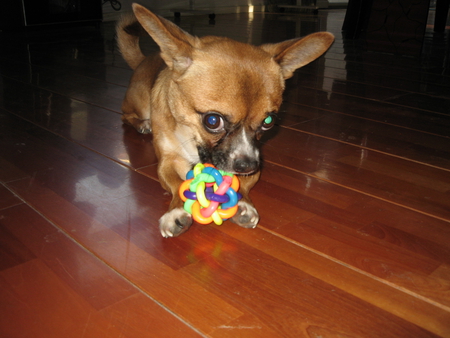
268, 122
213, 122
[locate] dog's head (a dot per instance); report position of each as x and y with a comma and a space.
226, 94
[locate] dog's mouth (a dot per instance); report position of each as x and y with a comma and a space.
230, 162
241, 169
245, 165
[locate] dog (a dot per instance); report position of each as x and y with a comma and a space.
207, 100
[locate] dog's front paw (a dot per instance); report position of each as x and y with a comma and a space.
247, 216
174, 223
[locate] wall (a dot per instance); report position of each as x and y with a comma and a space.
219, 6
164, 7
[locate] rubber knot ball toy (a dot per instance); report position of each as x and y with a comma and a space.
210, 195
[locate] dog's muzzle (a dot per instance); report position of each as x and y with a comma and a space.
245, 165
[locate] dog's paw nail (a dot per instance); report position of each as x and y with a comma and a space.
247, 216
174, 223
168, 235
164, 233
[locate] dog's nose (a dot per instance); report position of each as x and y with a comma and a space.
245, 165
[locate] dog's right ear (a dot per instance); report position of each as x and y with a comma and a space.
296, 53
176, 45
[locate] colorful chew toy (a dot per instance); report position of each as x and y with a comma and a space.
210, 195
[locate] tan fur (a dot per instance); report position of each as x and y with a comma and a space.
172, 94
129, 44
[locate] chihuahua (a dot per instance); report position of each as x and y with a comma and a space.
206, 100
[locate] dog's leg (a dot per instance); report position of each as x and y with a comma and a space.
136, 113
175, 221
247, 216
142, 126
137, 106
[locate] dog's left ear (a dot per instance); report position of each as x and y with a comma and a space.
296, 53
176, 44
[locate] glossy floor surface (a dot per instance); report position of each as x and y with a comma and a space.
354, 237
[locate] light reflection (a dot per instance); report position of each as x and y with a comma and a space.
250, 24
327, 86
322, 173
87, 188
111, 201
308, 183
364, 152
78, 120
209, 254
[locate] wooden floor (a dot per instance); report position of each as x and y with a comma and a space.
354, 237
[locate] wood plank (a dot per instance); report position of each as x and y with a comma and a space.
376, 292
349, 240
436, 102
400, 267
65, 43
7, 198
439, 104
364, 90
12, 252
79, 202
60, 288
153, 274
420, 120
306, 303
372, 173
93, 127
37, 304
63, 257
430, 69
406, 143
144, 319
365, 73
9, 172
340, 204
42, 61
40, 305
72, 85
